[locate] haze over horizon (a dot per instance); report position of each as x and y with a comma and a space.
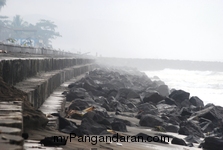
173, 29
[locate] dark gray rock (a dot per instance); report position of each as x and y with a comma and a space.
77, 93
165, 108
119, 126
98, 117
90, 127
153, 97
163, 90
192, 139
81, 104
101, 100
190, 128
171, 128
170, 101
150, 121
126, 93
178, 141
185, 111
196, 101
212, 143
179, 96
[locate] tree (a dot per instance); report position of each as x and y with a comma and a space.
18, 22
5, 28
46, 32
2, 3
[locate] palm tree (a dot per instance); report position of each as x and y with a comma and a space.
18, 22
46, 31
2, 3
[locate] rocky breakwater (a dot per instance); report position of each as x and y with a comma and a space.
104, 94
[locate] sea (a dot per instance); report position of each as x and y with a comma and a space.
207, 85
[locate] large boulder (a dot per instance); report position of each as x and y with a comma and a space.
179, 96
119, 126
153, 97
178, 141
165, 108
116, 105
98, 117
163, 90
190, 128
77, 93
90, 127
126, 93
101, 100
170, 101
171, 128
212, 143
67, 126
150, 121
81, 104
196, 101
210, 112
146, 108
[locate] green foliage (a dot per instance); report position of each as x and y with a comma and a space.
44, 31
2, 3
11, 40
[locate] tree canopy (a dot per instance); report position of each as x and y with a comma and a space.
2, 3
39, 34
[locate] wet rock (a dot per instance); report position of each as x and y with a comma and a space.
126, 122
192, 139
119, 126
135, 101
190, 128
150, 121
77, 93
106, 106
170, 101
185, 111
81, 104
179, 96
163, 90
185, 103
210, 112
126, 93
178, 141
153, 97
171, 128
67, 126
91, 127
112, 92
206, 125
147, 106
116, 105
196, 101
101, 100
98, 117
165, 108
212, 143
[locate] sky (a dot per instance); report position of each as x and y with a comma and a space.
163, 29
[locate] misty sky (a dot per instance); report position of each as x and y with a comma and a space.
167, 29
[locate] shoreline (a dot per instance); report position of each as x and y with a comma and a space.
107, 101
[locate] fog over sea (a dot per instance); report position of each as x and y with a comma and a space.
207, 85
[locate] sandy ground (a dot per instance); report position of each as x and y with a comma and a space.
74, 144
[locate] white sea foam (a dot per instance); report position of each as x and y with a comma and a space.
207, 85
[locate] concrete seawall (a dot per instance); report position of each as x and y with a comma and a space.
12, 48
37, 75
